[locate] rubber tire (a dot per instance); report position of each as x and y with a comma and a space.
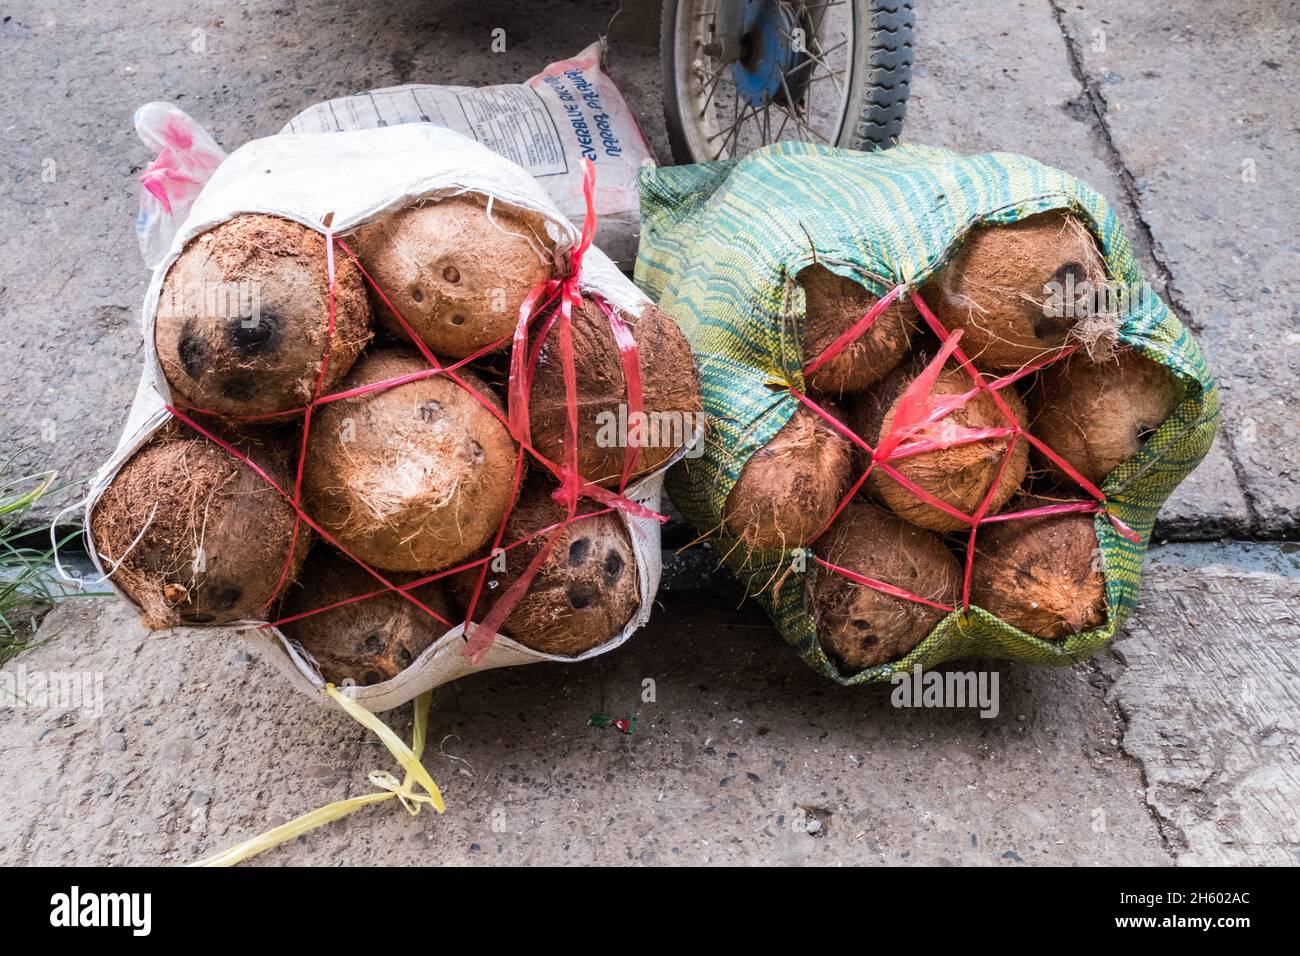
877, 102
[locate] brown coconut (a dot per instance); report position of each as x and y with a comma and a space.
790, 488
367, 641
1096, 415
412, 478
221, 354
457, 276
960, 475
669, 385
860, 626
866, 410
216, 536
584, 594
993, 289
1041, 575
833, 304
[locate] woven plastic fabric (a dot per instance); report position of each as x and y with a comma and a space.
721, 244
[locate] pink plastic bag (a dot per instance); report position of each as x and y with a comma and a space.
186, 159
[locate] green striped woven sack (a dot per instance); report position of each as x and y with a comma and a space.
721, 244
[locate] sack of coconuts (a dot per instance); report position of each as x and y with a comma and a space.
392, 420
943, 406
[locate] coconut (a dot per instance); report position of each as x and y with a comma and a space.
860, 626
1022, 289
962, 474
669, 386
833, 304
790, 488
1041, 575
243, 317
866, 410
367, 641
457, 274
411, 478
585, 592
213, 536
1096, 415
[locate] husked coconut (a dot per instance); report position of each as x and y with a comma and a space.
833, 305
368, 641
1020, 290
860, 626
213, 536
584, 594
670, 394
1096, 415
866, 410
457, 274
416, 477
243, 318
790, 488
1041, 575
959, 475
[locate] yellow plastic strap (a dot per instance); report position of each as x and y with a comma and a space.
389, 786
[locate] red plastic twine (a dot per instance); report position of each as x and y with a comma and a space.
554, 299
921, 424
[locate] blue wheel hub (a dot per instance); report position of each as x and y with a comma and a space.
770, 53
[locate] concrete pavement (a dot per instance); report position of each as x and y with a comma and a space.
1179, 745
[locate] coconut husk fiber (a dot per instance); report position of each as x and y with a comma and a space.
790, 488
457, 275
367, 641
669, 384
584, 594
1097, 414
1042, 575
859, 626
833, 304
416, 477
218, 357
960, 475
216, 536
993, 289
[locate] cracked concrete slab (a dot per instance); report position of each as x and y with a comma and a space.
739, 750
1201, 110
1000, 76
1207, 679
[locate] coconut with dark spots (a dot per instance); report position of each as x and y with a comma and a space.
1042, 575
670, 394
457, 275
1021, 290
959, 475
413, 477
367, 641
202, 539
860, 626
833, 305
1096, 415
789, 489
586, 591
243, 318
